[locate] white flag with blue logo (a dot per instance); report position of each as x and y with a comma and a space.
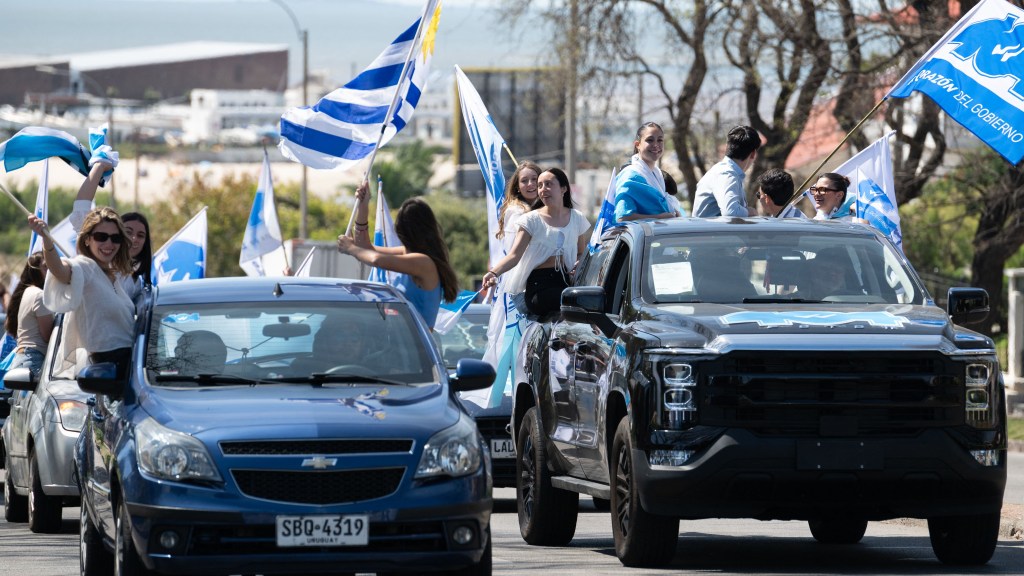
606, 215
872, 191
975, 72
304, 269
262, 232
183, 257
344, 126
35, 244
487, 144
449, 313
64, 234
384, 235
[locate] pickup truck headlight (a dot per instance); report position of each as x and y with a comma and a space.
171, 455
979, 379
454, 451
677, 391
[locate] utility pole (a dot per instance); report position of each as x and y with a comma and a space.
304, 36
570, 97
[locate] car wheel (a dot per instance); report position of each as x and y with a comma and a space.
547, 515
964, 540
641, 538
44, 512
126, 558
93, 557
15, 506
838, 530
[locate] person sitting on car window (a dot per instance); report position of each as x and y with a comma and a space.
200, 352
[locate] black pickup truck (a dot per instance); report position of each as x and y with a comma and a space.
759, 368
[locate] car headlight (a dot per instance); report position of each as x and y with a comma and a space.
72, 415
454, 451
165, 453
677, 391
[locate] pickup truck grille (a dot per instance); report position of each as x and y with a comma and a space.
832, 393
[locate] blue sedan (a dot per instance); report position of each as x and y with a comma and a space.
280, 426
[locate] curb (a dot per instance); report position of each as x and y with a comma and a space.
1009, 528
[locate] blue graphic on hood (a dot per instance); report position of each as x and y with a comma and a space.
815, 318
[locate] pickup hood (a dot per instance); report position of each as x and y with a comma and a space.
293, 410
807, 326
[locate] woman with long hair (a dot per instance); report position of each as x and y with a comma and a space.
28, 320
546, 248
641, 186
425, 275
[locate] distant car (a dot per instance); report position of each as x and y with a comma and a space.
468, 339
283, 425
47, 415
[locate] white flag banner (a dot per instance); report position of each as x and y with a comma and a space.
183, 257
262, 232
303, 271
872, 191
42, 200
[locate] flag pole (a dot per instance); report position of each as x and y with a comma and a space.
798, 192
46, 231
510, 154
391, 107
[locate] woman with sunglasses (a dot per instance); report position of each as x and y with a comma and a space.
829, 195
90, 288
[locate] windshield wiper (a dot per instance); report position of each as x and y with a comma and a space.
780, 300
318, 379
207, 379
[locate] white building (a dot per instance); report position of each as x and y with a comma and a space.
232, 116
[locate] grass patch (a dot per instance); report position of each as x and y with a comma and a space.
1015, 427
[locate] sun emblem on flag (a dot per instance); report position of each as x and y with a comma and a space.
431, 33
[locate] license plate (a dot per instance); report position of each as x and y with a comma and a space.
333, 530
502, 448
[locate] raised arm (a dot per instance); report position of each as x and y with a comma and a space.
54, 263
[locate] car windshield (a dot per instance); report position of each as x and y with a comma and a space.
781, 267
467, 339
258, 342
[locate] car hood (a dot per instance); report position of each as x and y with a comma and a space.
383, 411
806, 326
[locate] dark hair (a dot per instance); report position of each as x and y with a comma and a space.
419, 232
514, 195
563, 181
31, 275
777, 184
671, 188
122, 261
741, 142
640, 131
838, 182
144, 263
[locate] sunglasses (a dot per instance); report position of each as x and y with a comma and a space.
103, 237
822, 190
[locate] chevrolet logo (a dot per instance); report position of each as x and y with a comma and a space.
319, 462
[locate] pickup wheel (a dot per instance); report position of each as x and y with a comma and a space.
964, 540
547, 515
641, 538
838, 531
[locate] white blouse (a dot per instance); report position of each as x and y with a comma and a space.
546, 241
102, 315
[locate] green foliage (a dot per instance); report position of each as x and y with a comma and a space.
408, 173
1015, 428
464, 223
938, 230
14, 232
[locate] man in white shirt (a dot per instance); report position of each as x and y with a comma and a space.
720, 191
775, 188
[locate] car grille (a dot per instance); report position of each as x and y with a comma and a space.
311, 447
503, 470
833, 393
319, 487
384, 536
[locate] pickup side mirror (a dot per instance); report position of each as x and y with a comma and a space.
101, 379
472, 374
20, 379
967, 305
586, 305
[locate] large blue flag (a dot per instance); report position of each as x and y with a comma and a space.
384, 235
34, 143
974, 74
606, 216
344, 126
183, 257
449, 312
262, 232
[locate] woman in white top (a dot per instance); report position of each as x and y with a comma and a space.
28, 320
89, 287
547, 245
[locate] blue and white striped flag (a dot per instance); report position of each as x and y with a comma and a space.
606, 215
872, 190
344, 126
449, 313
183, 257
384, 235
262, 232
487, 143
34, 143
35, 244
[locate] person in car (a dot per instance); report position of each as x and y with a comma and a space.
28, 320
829, 195
775, 189
641, 186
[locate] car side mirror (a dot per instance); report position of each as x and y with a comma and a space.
472, 374
967, 305
20, 379
586, 305
101, 379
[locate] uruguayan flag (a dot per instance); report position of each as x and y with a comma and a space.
606, 215
384, 235
303, 271
450, 312
345, 126
263, 232
35, 244
487, 143
872, 190
974, 74
183, 257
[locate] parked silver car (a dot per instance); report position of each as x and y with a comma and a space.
47, 415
